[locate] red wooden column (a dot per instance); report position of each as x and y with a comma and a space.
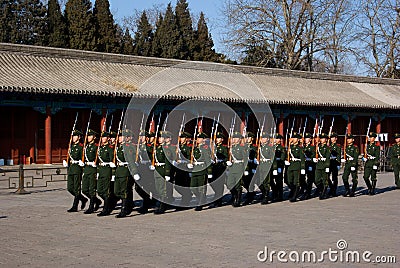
378, 129
280, 124
47, 136
348, 126
102, 121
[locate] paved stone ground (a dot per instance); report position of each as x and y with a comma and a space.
36, 231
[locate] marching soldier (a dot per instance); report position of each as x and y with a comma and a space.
351, 166
265, 155
123, 178
75, 171
334, 167
251, 167
236, 167
113, 199
162, 172
89, 180
278, 168
202, 169
172, 160
218, 168
181, 174
105, 165
395, 159
371, 163
309, 153
295, 164
322, 166
144, 151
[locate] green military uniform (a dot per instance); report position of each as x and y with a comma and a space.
251, 168
395, 159
123, 178
162, 174
322, 168
334, 166
218, 170
171, 153
145, 186
202, 170
309, 154
74, 177
104, 170
371, 165
278, 166
236, 167
295, 166
182, 179
351, 165
265, 156
89, 179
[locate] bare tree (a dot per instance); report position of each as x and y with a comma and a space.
379, 37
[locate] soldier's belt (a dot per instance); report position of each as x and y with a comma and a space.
295, 159
160, 164
237, 161
74, 161
89, 163
105, 164
265, 160
146, 162
220, 160
198, 163
123, 164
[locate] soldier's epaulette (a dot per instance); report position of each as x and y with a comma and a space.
355, 145
190, 144
165, 146
81, 144
338, 144
205, 146
111, 146
225, 145
242, 145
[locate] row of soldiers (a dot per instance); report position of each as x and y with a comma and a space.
154, 167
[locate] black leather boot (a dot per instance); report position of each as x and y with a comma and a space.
83, 201
323, 194
347, 189
249, 198
90, 210
373, 188
97, 203
238, 196
295, 193
161, 209
124, 209
353, 189
368, 183
106, 208
74, 207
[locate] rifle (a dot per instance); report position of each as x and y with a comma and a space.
151, 123
70, 139
304, 128
116, 138
315, 127
103, 127
290, 137
366, 138
153, 160
322, 126
233, 122
138, 142
287, 133
345, 143
330, 130
165, 123
259, 140
85, 140
194, 141
178, 149
301, 123
111, 122
214, 137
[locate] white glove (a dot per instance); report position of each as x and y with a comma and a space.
174, 163
253, 171
93, 164
80, 163
371, 157
363, 159
190, 166
350, 158
65, 164
151, 167
167, 178
255, 161
333, 157
323, 158
275, 172
352, 168
112, 165
210, 176
302, 172
279, 170
327, 170
315, 160
246, 173
113, 178
287, 163
375, 167
136, 177
343, 160
228, 163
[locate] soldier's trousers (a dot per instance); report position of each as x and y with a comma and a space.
74, 179
265, 184
347, 172
160, 183
333, 174
123, 185
277, 186
198, 185
321, 177
218, 181
182, 185
104, 182
396, 171
246, 182
89, 181
370, 172
234, 181
310, 172
293, 177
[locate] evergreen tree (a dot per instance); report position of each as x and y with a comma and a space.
56, 25
5, 19
203, 44
185, 43
156, 48
127, 43
106, 30
143, 37
80, 24
169, 35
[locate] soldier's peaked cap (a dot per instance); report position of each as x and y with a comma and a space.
372, 134
397, 135
350, 136
237, 135
91, 132
202, 135
77, 133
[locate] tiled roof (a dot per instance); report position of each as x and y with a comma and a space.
40, 70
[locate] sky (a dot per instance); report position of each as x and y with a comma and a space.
210, 8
